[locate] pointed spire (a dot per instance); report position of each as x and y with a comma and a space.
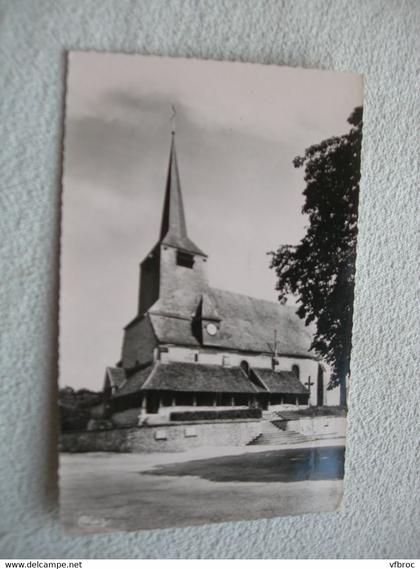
173, 229
173, 217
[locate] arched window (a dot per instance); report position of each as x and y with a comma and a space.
245, 366
296, 371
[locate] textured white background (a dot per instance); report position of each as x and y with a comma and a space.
377, 38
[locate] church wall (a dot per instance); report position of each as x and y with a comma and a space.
179, 281
228, 359
309, 368
138, 344
332, 397
220, 357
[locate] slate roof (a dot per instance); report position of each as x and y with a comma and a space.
135, 381
206, 309
180, 376
246, 323
117, 375
280, 381
171, 330
200, 378
249, 323
184, 243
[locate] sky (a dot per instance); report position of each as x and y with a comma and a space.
238, 128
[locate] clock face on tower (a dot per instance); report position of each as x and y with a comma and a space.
211, 329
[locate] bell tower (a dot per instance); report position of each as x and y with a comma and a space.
173, 275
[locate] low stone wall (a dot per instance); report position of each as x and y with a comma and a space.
165, 438
334, 426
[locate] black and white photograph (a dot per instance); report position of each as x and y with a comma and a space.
208, 251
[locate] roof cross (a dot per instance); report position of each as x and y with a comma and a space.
309, 383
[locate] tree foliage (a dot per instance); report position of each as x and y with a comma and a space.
75, 407
320, 269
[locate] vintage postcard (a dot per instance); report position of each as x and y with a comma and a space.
207, 277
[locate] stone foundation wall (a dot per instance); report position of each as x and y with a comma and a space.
334, 426
165, 438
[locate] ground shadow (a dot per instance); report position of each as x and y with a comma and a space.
288, 465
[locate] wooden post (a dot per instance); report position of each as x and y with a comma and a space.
194, 401
232, 402
297, 401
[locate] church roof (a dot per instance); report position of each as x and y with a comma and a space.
173, 330
135, 381
116, 375
246, 324
249, 324
280, 381
183, 376
207, 311
202, 378
173, 230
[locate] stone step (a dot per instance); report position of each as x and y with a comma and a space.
274, 436
270, 437
271, 441
264, 439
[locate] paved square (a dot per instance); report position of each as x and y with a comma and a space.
118, 492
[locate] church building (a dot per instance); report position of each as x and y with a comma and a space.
192, 345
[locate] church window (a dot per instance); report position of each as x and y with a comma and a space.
296, 371
184, 259
226, 361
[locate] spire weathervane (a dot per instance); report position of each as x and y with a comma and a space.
173, 117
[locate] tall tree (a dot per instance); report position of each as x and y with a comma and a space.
320, 270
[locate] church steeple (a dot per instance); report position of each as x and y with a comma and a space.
173, 231
175, 270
